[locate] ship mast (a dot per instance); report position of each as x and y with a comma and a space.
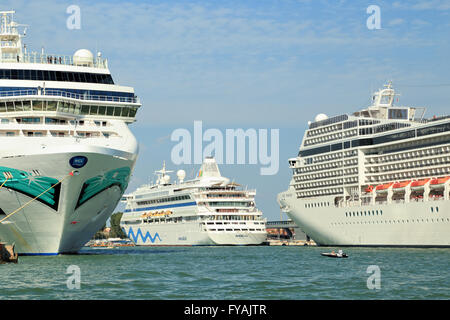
10, 39
162, 174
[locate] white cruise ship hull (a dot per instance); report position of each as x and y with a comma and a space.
413, 224
84, 201
189, 234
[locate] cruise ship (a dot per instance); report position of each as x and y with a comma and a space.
377, 177
67, 152
207, 210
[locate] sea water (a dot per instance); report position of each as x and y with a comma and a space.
250, 273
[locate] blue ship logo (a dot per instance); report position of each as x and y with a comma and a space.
78, 161
134, 237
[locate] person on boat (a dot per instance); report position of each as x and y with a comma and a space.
340, 253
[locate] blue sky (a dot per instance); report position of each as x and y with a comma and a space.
251, 64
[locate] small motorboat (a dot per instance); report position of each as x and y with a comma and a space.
333, 254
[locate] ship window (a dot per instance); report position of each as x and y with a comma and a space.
37, 105
94, 110
102, 110
26, 105
34, 75
51, 105
398, 113
18, 105
125, 111
132, 111
110, 111
29, 120
84, 109
10, 106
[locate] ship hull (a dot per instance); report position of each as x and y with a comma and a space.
79, 208
413, 224
189, 234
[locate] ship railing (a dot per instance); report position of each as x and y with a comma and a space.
66, 94
35, 57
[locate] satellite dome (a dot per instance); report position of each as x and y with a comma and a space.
83, 57
181, 174
320, 117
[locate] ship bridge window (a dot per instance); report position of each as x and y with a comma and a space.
102, 110
51, 105
67, 107
109, 110
51, 75
398, 114
38, 105
26, 105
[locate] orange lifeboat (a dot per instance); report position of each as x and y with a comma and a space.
369, 189
438, 182
418, 184
384, 187
401, 185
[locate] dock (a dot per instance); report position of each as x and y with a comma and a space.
289, 242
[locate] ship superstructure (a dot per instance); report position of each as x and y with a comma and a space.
66, 145
207, 210
379, 176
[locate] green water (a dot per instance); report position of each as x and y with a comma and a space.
253, 273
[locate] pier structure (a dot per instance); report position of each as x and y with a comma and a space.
285, 230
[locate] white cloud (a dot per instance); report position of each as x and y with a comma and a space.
396, 22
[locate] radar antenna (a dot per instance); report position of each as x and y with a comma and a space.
162, 174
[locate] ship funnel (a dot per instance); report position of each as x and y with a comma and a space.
209, 168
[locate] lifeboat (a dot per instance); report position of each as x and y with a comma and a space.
398, 186
438, 182
369, 189
418, 184
383, 187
